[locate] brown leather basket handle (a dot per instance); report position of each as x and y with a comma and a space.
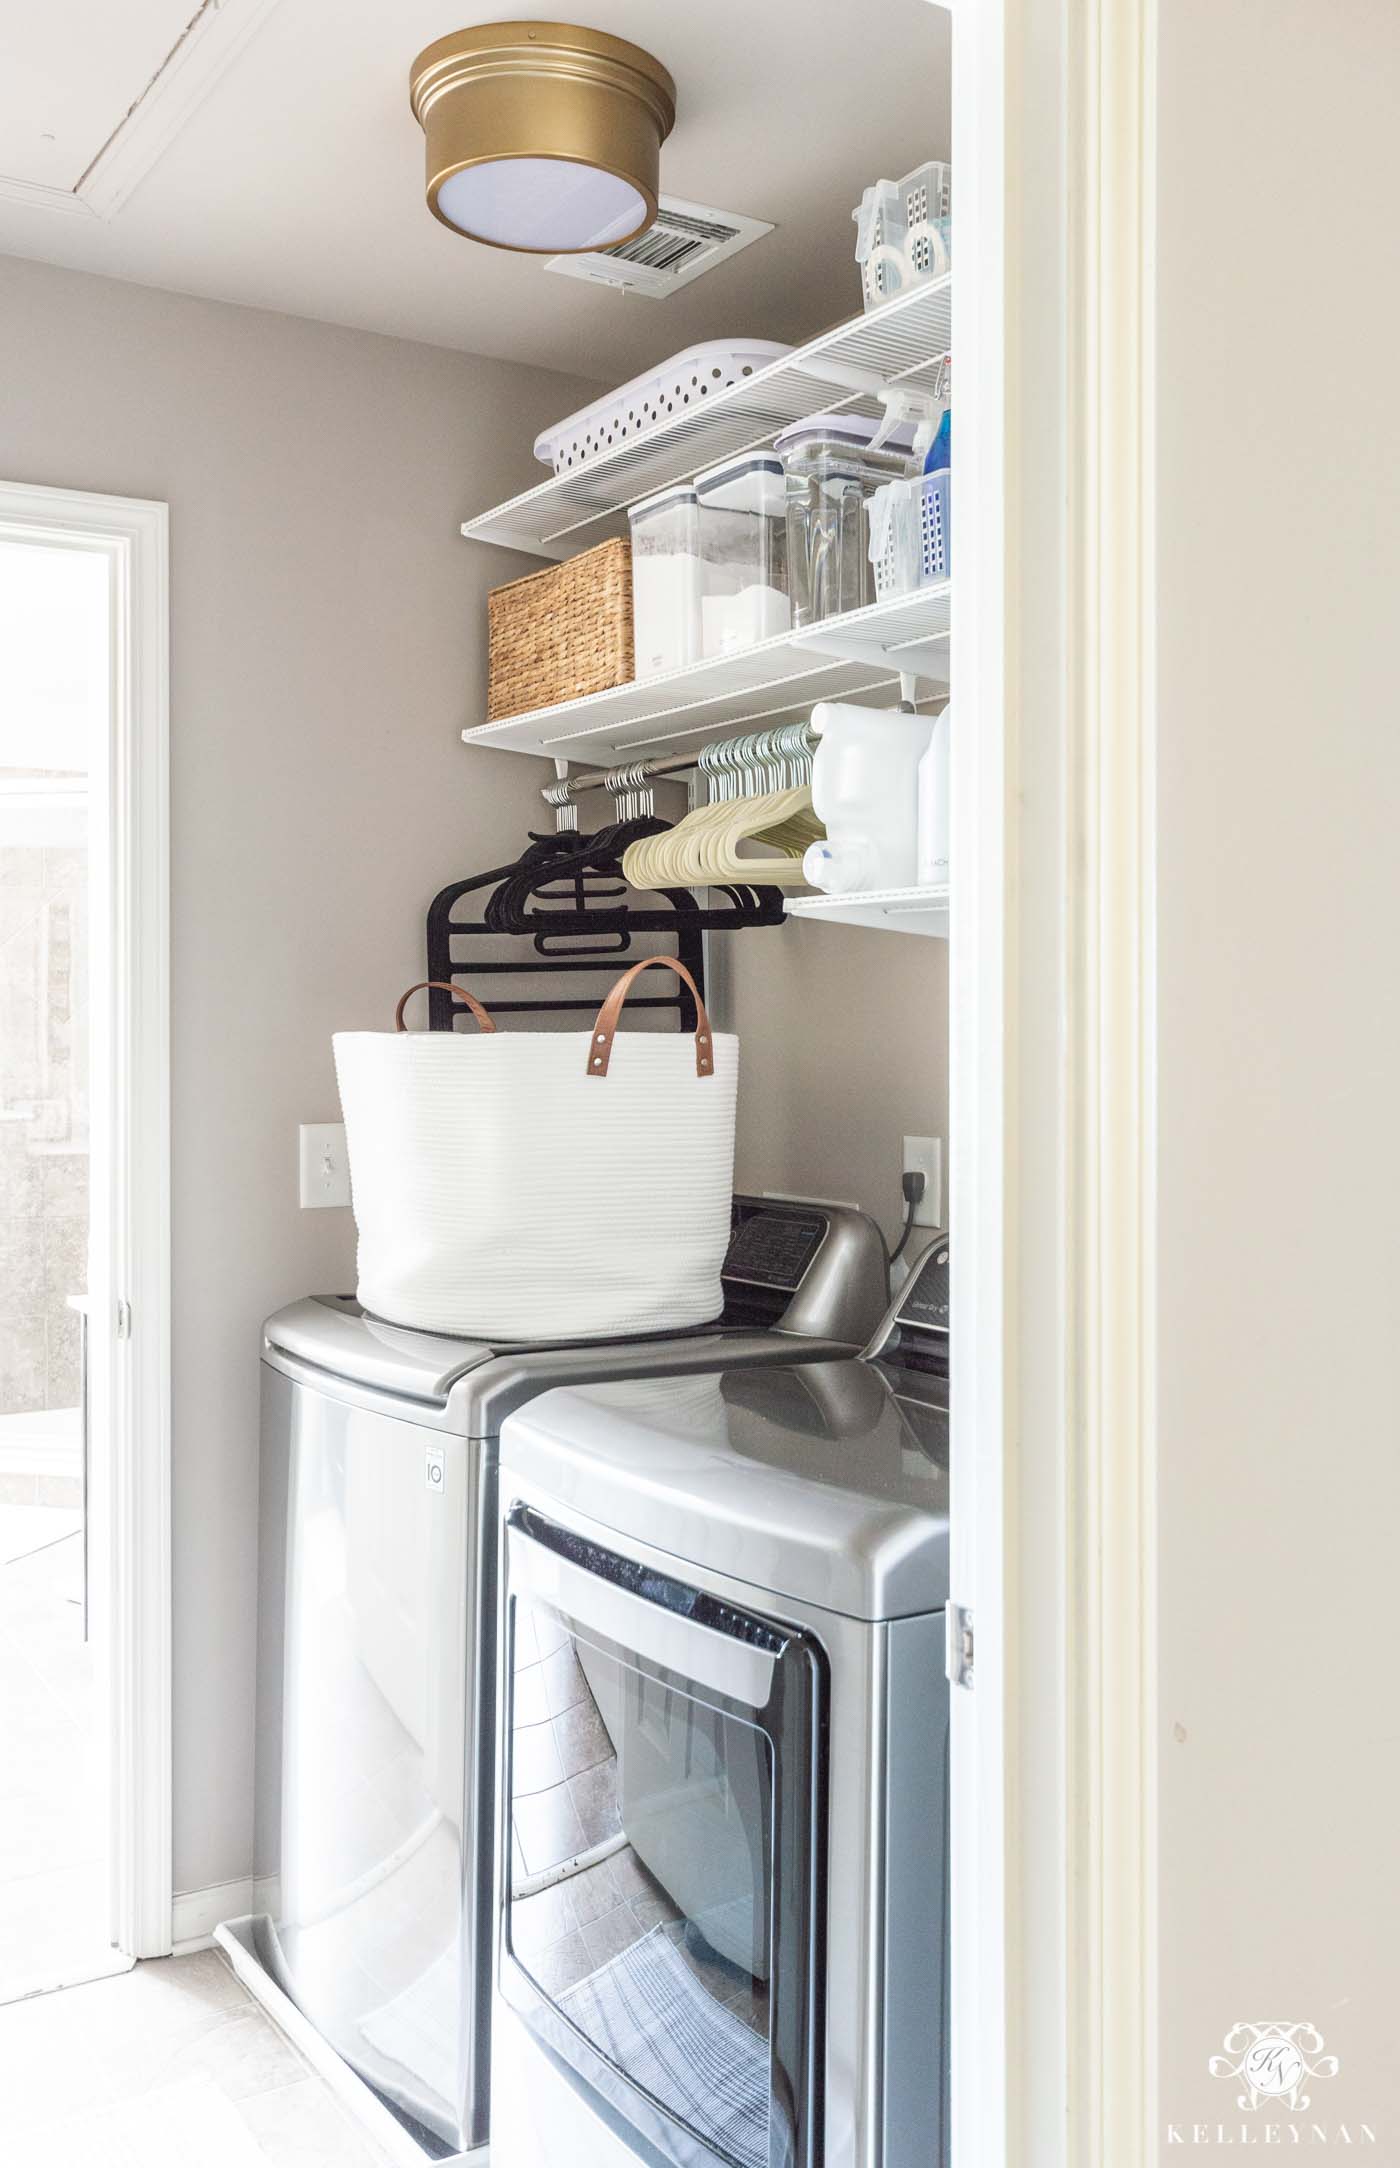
606, 1022
442, 986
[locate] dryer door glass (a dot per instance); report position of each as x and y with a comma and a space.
660, 1927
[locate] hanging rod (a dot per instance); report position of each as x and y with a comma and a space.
634, 772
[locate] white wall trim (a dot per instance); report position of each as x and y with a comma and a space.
41, 196
1073, 1676
197, 1912
130, 1239
1110, 1013
977, 1111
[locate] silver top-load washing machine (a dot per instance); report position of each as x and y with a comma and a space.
724, 1772
377, 1615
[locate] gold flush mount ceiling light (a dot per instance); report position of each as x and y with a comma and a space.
542, 136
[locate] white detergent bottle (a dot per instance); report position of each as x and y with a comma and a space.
934, 806
865, 788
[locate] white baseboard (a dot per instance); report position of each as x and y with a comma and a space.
197, 1912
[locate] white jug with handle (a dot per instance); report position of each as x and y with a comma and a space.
865, 787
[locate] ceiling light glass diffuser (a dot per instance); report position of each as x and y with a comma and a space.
541, 136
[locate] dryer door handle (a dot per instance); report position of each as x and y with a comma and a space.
721, 1650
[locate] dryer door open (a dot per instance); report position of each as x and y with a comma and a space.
665, 1814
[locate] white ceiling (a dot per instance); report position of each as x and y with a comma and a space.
275, 162
71, 72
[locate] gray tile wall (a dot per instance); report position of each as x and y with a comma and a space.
43, 1124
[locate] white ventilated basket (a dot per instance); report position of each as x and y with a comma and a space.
687, 380
910, 537
904, 232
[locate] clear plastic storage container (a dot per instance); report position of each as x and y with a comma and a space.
904, 232
743, 541
829, 472
667, 580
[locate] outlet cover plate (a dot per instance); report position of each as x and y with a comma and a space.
924, 1155
325, 1168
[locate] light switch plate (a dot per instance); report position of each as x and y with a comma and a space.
924, 1155
325, 1169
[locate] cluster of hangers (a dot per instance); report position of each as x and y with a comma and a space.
755, 824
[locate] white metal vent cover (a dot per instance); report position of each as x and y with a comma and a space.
683, 242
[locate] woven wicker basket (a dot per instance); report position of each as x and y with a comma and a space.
561, 633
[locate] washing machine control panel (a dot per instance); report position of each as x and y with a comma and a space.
771, 1245
797, 1265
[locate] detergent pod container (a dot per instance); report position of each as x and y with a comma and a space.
865, 788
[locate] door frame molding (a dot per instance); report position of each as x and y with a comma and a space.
1112, 1727
129, 1295
1053, 1114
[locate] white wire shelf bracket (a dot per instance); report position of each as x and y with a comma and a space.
898, 910
861, 655
901, 343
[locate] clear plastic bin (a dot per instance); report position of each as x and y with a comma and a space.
830, 471
904, 232
667, 580
743, 541
910, 535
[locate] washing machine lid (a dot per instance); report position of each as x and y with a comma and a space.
335, 1336
817, 1482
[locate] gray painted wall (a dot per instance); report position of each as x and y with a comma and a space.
328, 644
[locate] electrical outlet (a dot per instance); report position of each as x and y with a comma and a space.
325, 1169
924, 1155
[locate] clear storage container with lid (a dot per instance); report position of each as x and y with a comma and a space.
667, 580
743, 541
829, 472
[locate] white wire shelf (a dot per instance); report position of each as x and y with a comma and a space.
858, 656
901, 343
899, 910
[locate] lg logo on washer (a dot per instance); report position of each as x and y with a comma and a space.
1273, 2065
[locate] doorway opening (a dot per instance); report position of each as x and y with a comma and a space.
55, 643
84, 1434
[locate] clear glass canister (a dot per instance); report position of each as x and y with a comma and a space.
829, 472
743, 542
667, 578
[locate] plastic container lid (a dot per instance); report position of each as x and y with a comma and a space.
853, 429
678, 493
756, 484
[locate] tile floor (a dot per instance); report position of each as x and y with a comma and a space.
172, 2065
52, 1833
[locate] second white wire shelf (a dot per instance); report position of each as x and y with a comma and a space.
852, 657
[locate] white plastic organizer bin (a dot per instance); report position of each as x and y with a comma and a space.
688, 379
909, 534
904, 232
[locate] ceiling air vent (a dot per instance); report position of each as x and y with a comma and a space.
684, 241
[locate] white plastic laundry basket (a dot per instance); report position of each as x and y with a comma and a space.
687, 380
550, 1185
